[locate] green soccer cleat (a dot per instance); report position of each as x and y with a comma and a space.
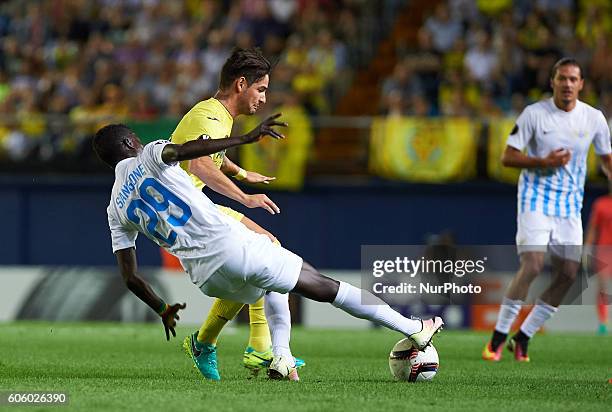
204, 356
256, 361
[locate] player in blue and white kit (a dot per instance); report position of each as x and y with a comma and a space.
557, 134
224, 259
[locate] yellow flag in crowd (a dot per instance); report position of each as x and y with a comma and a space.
423, 150
284, 159
499, 130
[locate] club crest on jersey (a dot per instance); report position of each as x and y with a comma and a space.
204, 137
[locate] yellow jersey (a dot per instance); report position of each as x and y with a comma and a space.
208, 119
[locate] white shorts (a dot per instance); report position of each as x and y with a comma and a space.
253, 267
537, 232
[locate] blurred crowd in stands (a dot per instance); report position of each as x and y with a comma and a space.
96, 61
70, 66
488, 58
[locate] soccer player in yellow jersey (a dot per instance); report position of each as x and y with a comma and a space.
242, 90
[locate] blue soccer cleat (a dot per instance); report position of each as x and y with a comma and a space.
204, 356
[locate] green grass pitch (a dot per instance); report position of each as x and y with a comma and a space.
132, 367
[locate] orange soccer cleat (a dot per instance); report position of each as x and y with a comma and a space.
519, 349
489, 354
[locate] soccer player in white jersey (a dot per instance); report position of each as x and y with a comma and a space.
557, 134
223, 258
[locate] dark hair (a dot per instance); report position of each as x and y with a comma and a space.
248, 63
107, 142
565, 61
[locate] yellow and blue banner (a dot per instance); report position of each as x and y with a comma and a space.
424, 149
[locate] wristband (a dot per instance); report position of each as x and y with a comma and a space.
241, 175
162, 308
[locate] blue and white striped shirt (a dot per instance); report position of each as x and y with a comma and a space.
543, 128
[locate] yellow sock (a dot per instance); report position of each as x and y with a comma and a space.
221, 312
259, 337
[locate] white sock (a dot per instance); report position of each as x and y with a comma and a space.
507, 314
540, 313
349, 300
276, 307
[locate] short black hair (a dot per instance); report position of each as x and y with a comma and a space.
248, 63
107, 142
565, 61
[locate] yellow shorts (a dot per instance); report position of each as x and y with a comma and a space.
230, 212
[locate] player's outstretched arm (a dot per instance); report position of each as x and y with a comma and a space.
513, 157
126, 259
201, 147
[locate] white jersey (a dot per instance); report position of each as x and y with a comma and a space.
543, 128
161, 201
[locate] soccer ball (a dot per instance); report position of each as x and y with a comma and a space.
407, 363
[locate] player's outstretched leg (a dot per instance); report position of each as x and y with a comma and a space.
313, 285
